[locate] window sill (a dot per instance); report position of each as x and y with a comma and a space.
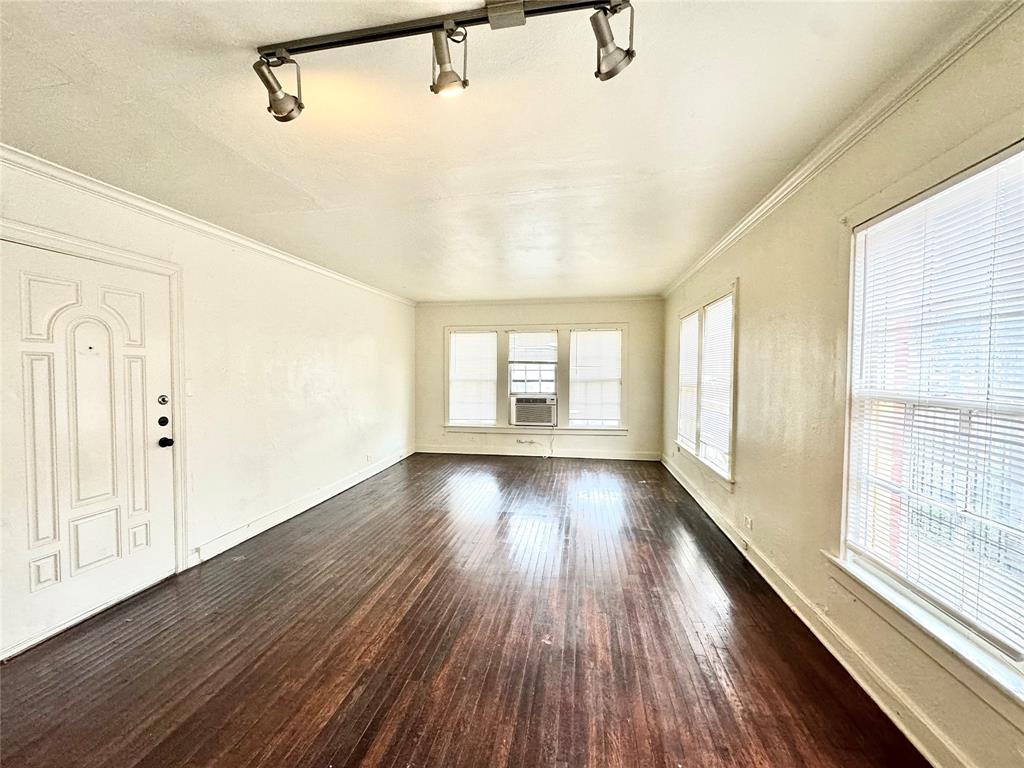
706, 469
987, 661
610, 431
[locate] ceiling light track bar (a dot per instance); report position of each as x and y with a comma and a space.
470, 18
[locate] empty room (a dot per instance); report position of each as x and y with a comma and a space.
643, 388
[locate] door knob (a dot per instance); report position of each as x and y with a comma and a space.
165, 442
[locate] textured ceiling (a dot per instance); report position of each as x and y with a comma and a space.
538, 181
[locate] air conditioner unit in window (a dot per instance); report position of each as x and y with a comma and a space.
534, 410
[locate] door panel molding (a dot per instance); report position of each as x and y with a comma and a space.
43, 299
136, 431
41, 448
91, 340
70, 245
45, 571
95, 539
129, 308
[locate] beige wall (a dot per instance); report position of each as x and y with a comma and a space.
298, 384
643, 319
793, 271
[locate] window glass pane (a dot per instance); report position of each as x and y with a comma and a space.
715, 393
936, 476
686, 428
533, 358
533, 347
472, 378
595, 378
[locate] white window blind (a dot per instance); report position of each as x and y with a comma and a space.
936, 470
714, 409
532, 361
472, 378
706, 378
595, 378
686, 424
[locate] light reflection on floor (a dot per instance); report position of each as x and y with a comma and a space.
463, 612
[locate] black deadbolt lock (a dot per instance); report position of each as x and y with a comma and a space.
162, 421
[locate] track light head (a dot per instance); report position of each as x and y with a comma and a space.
447, 82
283, 106
611, 59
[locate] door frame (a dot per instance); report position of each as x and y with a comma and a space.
69, 245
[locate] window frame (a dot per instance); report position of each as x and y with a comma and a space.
696, 315
622, 377
927, 614
699, 308
447, 374
502, 423
509, 363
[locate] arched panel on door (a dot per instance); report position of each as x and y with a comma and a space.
91, 411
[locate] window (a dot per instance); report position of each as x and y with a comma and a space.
936, 444
535, 366
532, 362
704, 417
686, 428
595, 378
472, 378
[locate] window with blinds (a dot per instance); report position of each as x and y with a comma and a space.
595, 378
532, 362
714, 410
936, 444
704, 415
686, 427
472, 378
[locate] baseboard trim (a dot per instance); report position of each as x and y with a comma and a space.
265, 522
922, 732
558, 454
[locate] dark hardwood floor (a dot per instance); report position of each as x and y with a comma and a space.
455, 611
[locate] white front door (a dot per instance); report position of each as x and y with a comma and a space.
88, 513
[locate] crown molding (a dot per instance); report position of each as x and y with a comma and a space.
13, 157
554, 300
868, 117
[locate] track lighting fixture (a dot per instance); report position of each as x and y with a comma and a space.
446, 81
610, 58
283, 106
451, 28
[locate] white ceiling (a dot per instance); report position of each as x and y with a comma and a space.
538, 181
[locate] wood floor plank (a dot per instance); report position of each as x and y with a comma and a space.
455, 611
